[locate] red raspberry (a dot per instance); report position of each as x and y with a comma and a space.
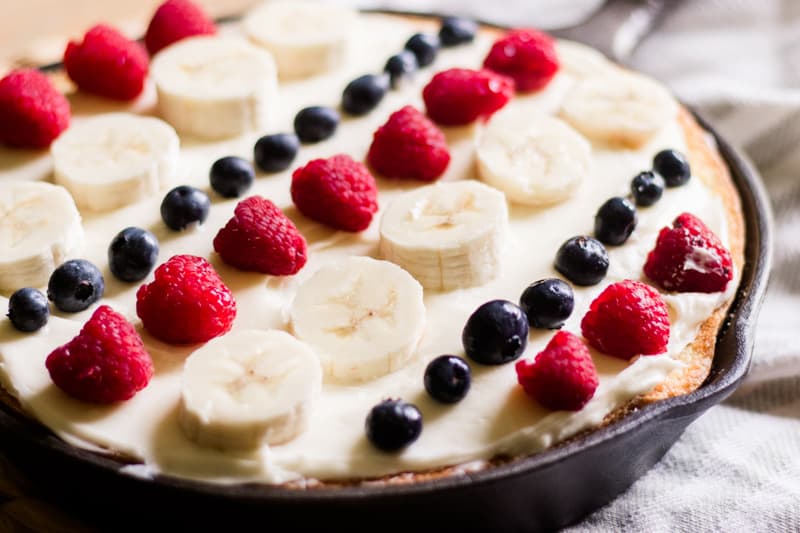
628, 318
175, 20
260, 238
409, 146
689, 257
105, 363
107, 63
186, 303
32, 112
562, 376
460, 96
527, 56
336, 191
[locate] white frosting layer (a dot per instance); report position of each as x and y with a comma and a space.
495, 417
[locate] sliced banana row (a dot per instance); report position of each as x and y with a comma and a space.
215, 87
448, 235
304, 37
40, 228
249, 388
363, 317
115, 159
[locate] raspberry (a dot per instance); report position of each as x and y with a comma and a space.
187, 302
409, 146
527, 56
105, 363
336, 191
260, 238
689, 257
107, 63
628, 318
460, 96
175, 20
562, 376
32, 112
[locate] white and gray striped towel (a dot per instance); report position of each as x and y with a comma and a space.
738, 62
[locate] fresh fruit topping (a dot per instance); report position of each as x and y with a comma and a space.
393, 424
434, 231
32, 112
647, 188
582, 260
75, 285
28, 310
336, 191
275, 153
562, 376
689, 257
628, 318
673, 167
424, 46
107, 63
247, 389
615, 221
184, 205
409, 146
231, 176
401, 68
316, 123
363, 317
525, 55
260, 238
186, 303
547, 303
457, 30
132, 254
460, 96
496, 333
175, 20
364, 93
448, 378
105, 363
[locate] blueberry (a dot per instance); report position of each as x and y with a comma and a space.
393, 424
547, 303
275, 153
496, 333
28, 310
647, 188
615, 221
132, 254
673, 167
184, 205
457, 30
447, 378
316, 123
231, 176
75, 285
400, 67
364, 93
425, 46
582, 260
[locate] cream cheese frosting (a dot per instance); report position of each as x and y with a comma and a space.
495, 417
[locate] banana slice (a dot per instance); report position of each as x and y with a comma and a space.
40, 227
304, 37
622, 109
448, 235
249, 388
215, 87
532, 157
363, 317
581, 61
115, 159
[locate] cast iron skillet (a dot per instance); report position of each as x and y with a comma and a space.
545, 491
